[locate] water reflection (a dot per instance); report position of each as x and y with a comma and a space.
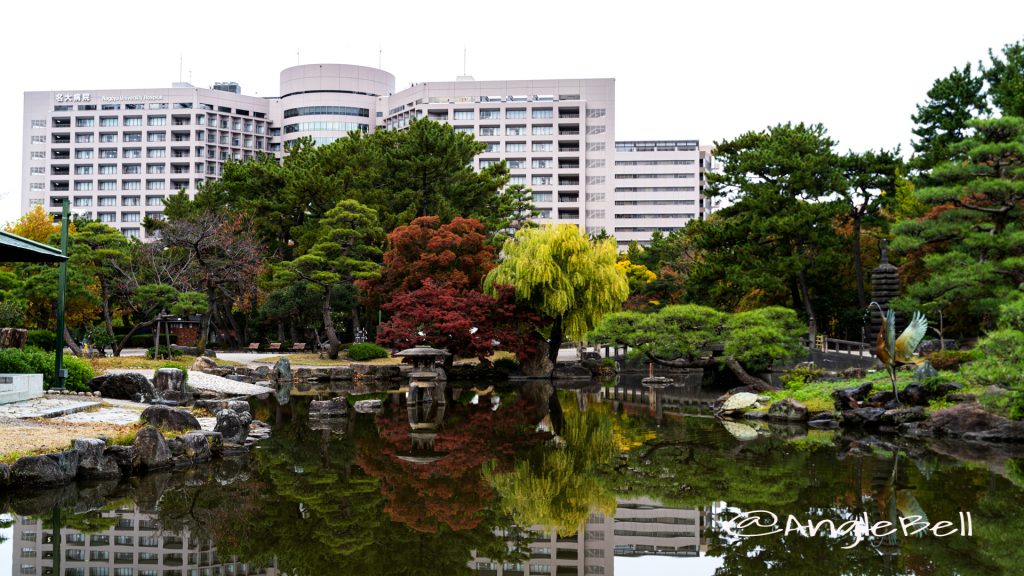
465, 488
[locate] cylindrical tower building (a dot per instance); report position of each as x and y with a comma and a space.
327, 101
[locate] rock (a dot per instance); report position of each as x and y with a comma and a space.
203, 363
282, 370
169, 384
903, 415
195, 446
168, 418
739, 402
5, 474
852, 373
232, 426
282, 378
93, 463
823, 423
940, 390
789, 410
123, 456
930, 346
880, 398
193, 351
850, 398
127, 386
915, 395
368, 406
46, 470
971, 422
863, 416
97, 393
741, 432
960, 397
214, 439
925, 372
571, 372
151, 449
333, 408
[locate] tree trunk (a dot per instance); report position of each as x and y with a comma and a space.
105, 297
681, 362
812, 325
118, 346
555, 341
741, 374
204, 326
332, 337
75, 349
746, 378
355, 321
280, 330
858, 266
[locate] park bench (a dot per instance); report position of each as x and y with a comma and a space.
274, 347
254, 347
299, 347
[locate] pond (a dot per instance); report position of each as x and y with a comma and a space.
637, 482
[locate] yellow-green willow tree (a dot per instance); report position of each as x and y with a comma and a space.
563, 275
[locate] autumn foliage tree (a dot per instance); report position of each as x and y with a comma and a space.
463, 321
454, 254
35, 225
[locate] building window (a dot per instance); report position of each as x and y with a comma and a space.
156, 120
108, 169
156, 136
39, 123
40, 171
107, 185
84, 154
108, 152
131, 185
39, 139
110, 106
543, 147
599, 129
595, 180
543, 113
154, 200
111, 121
131, 217
131, 121
493, 147
515, 147
595, 112
37, 186
132, 233
108, 137
156, 152
516, 163
132, 153
540, 181
83, 169
155, 184
515, 113
85, 122
154, 168
83, 186
595, 146
542, 197
462, 115
542, 163
83, 138
490, 131
39, 155
465, 129
131, 169
515, 130
518, 179
543, 130
599, 163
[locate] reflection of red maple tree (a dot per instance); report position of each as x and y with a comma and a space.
450, 491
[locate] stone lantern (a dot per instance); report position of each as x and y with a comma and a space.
427, 379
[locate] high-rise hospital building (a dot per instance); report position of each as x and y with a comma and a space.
115, 154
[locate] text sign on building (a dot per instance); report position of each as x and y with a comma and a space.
75, 97
135, 98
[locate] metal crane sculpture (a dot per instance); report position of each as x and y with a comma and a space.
894, 351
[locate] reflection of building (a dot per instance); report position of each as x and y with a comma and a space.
134, 546
640, 527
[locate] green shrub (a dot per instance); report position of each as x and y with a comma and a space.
151, 352
366, 351
1011, 315
800, 375
951, 359
32, 360
506, 364
1001, 364
12, 314
45, 339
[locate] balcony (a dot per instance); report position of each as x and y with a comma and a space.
59, 170
573, 112
569, 146
570, 214
568, 180
64, 154
568, 129
569, 163
61, 139
568, 197
59, 186
62, 122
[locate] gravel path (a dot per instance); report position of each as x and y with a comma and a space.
204, 381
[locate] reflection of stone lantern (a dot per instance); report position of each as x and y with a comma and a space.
427, 379
424, 422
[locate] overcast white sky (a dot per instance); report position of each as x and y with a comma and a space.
707, 70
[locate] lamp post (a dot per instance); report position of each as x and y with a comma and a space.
60, 374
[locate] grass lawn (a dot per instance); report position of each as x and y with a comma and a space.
817, 396
100, 365
314, 359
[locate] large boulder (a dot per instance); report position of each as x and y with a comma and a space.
851, 398
93, 462
232, 426
214, 406
124, 456
126, 386
863, 416
194, 447
281, 376
169, 418
46, 470
333, 408
203, 363
789, 410
970, 422
169, 384
151, 449
371, 406
898, 416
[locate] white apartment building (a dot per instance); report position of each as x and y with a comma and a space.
116, 154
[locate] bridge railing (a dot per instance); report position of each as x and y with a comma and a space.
852, 347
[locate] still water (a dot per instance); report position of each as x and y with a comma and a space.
634, 483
